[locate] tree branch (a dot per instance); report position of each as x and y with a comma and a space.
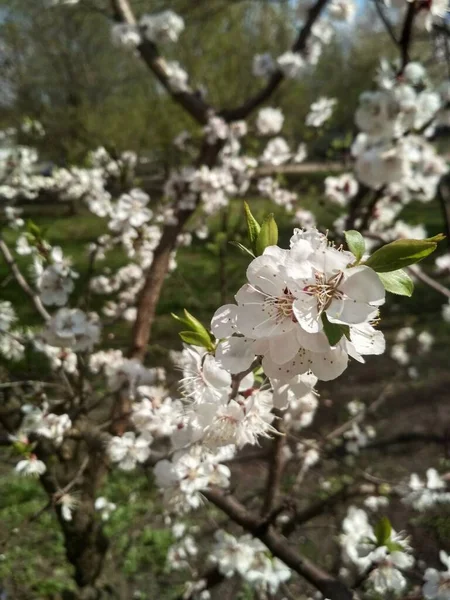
243, 111
192, 102
279, 546
22, 281
406, 36
275, 467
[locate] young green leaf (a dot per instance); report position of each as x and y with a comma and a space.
399, 254
397, 282
268, 235
383, 530
334, 331
252, 226
197, 339
195, 324
180, 319
242, 248
355, 243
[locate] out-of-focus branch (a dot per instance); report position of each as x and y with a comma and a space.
361, 415
406, 36
276, 463
192, 102
320, 507
243, 111
279, 546
150, 293
443, 196
427, 280
22, 281
387, 24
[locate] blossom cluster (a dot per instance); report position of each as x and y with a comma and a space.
291, 298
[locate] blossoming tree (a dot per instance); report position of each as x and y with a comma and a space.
249, 377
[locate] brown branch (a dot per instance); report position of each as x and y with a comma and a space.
443, 196
192, 102
156, 273
427, 280
406, 36
387, 24
22, 281
319, 508
275, 473
279, 546
243, 111
361, 415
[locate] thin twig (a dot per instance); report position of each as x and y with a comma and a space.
22, 281
424, 278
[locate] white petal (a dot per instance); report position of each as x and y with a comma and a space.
214, 375
363, 285
305, 311
283, 348
328, 365
235, 354
348, 311
285, 372
367, 340
223, 321
262, 320
264, 273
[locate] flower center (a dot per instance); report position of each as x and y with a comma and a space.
283, 305
325, 290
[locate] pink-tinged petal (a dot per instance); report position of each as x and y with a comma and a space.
363, 285
348, 311
283, 348
223, 322
329, 365
306, 313
235, 354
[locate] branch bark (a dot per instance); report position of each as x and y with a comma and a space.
149, 296
244, 110
192, 102
406, 36
275, 467
279, 546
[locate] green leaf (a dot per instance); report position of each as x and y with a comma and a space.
197, 339
197, 334
399, 254
194, 323
180, 319
268, 235
252, 226
33, 228
355, 243
397, 282
383, 530
242, 248
394, 546
334, 331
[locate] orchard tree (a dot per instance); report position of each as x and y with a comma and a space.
249, 376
